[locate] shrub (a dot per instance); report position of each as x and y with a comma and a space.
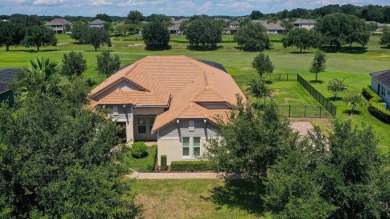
379, 111
164, 162
369, 94
191, 166
375, 107
139, 150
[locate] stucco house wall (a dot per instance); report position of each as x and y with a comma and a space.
385, 95
169, 139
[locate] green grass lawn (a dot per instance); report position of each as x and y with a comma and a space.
354, 66
142, 165
197, 198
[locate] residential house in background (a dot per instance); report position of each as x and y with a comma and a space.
304, 23
6, 94
272, 28
175, 28
59, 25
232, 28
380, 83
175, 101
97, 24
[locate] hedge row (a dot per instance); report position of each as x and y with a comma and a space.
191, 166
375, 107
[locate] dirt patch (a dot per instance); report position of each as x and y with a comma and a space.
302, 127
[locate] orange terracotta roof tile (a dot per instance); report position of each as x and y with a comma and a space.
179, 79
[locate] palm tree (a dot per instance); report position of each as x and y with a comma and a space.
38, 78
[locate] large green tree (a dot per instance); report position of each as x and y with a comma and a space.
156, 35
97, 37
250, 141
252, 37
10, 34
57, 157
339, 29
79, 29
73, 64
385, 39
339, 176
203, 32
262, 63
39, 36
107, 64
302, 39
135, 17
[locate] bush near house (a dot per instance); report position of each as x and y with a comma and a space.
164, 166
139, 150
143, 165
191, 166
375, 107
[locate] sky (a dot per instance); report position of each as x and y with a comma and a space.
168, 7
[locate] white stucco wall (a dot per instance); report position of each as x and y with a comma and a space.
169, 139
385, 96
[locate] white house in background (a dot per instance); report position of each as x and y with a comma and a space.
172, 100
97, 24
58, 25
175, 28
304, 23
232, 28
380, 83
272, 28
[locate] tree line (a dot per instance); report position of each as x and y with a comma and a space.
375, 13
27, 31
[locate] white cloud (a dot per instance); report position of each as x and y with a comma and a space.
100, 2
48, 2
132, 3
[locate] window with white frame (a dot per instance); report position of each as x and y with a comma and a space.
196, 146
186, 146
383, 91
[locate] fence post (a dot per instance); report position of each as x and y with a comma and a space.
280, 75
304, 115
287, 76
320, 111
289, 110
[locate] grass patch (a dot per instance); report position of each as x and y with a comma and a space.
142, 165
197, 198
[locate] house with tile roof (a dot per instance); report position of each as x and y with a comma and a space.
58, 25
380, 83
175, 101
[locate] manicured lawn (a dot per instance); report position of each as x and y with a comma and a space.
354, 66
197, 198
142, 165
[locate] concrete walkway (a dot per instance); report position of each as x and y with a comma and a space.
196, 175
